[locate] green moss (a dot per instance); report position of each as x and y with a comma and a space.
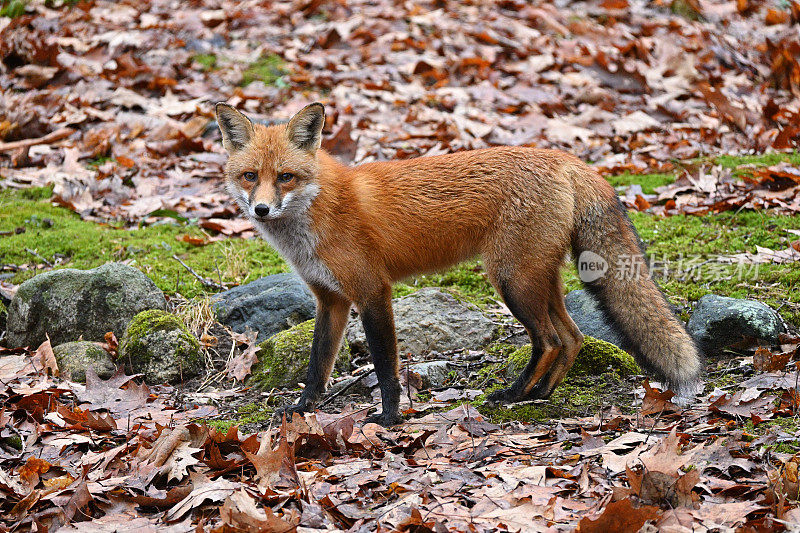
268, 69
685, 9
732, 161
466, 281
790, 425
98, 161
598, 356
253, 413
596, 379
13, 8
74, 243
283, 359
649, 182
135, 348
207, 62
14, 441
595, 358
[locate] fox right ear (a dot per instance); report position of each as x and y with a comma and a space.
237, 130
305, 128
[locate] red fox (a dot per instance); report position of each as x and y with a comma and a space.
350, 232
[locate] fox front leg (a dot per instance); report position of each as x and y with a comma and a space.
332, 313
378, 321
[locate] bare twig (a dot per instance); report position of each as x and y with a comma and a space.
49, 138
206, 282
33, 253
341, 391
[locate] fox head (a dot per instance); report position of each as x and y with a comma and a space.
272, 171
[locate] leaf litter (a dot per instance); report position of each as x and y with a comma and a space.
102, 456
112, 102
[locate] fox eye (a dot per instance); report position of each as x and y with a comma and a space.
249, 176
286, 177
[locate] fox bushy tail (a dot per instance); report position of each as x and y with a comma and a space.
611, 263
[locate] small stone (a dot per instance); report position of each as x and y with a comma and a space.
75, 357
267, 305
434, 374
429, 320
590, 318
719, 321
158, 345
68, 304
283, 359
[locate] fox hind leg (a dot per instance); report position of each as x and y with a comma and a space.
571, 337
528, 300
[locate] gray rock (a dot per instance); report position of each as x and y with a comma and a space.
433, 373
70, 303
75, 357
267, 305
431, 320
158, 345
719, 321
590, 319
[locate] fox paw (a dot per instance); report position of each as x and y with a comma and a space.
384, 419
290, 410
500, 397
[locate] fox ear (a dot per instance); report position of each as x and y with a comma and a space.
237, 130
305, 128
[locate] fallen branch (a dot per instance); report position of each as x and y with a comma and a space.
205, 281
49, 138
46, 262
341, 391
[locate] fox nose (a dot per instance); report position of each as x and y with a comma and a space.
262, 210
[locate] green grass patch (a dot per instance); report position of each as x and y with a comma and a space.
206, 62
269, 69
687, 245
13, 8
649, 182
61, 237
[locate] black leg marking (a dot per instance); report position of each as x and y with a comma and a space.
379, 329
332, 312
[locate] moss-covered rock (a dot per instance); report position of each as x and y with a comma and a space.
595, 358
597, 379
68, 304
158, 345
75, 357
283, 359
719, 321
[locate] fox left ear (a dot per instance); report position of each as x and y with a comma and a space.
305, 128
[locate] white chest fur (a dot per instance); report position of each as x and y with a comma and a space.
296, 242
